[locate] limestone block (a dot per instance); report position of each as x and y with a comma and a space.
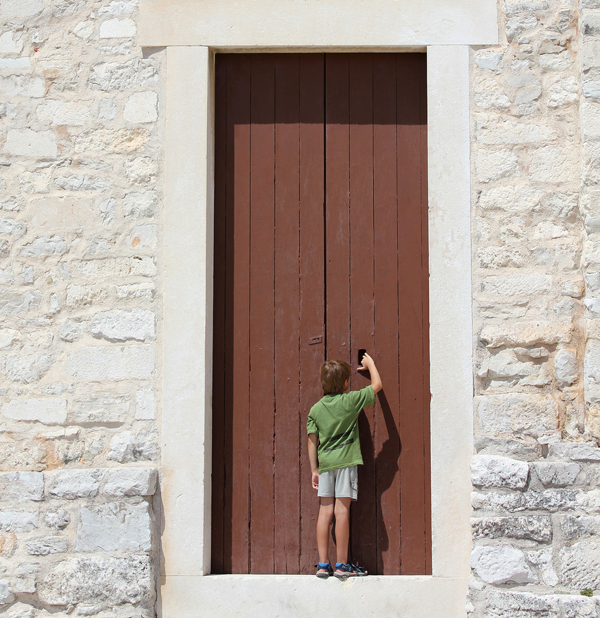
590, 120
145, 404
506, 365
142, 237
107, 110
550, 500
591, 88
578, 607
6, 593
47, 411
495, 164
576, 526
590, 23
116, 77
590, 54
116, 267
9, 44
95, 580
28, 143
576, 451
26, 368
491, 130
131, 482
510, 199
592, 371
497, 471
117, 28
141, 170
13, 302
141, 107
119, 7
71, 113
556, 62
84, 30
21, 8
97, 364
18, 521
22, 85
8, 336
110, 140
565, 366
139, 205
105, 408
500, 565
58, 519
78, 182
114, 526
554, 164
17, 486
119, 325
71, 484
44, 246
517, 285
72, 330
46, 546
488, 60
527, 333
501, 257
524, 6
532, 527
517, 25
82, 296
591, 167
542, 559
580, 565
563, 92
132, 447
556, 473
136, 290
488, 94
12, 227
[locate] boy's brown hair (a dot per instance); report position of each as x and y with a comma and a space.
334, 374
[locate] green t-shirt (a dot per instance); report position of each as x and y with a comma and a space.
335, 421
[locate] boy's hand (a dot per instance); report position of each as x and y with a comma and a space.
366, 363
315, 480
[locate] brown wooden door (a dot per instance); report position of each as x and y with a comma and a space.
320, 250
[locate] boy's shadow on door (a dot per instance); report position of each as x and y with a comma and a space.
369, 530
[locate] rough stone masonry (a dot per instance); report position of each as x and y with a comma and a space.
81, 122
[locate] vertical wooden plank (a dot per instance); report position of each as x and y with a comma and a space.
287, 308
364, 511
312, 281
422, 64
414, 406
262, 249
238, 247
387, 441
220, 270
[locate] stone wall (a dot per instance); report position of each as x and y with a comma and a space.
536, 265
79, 226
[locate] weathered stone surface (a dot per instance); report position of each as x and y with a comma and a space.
28, 143
592, 371
131, 482
497, 471
99, 409
493, 165
542, 559
145, 404
563, 92
550, 500
501, 604
142, 237
553, 164
112, 76
114, 526
71, 484
72, 330
138, 205
556, 473
79, 182
578, 607
576, 451
141, 107
111, 363
488, 94
117, 28
26, 368
136, 290
18, 521
71, 113
84, 295
119, 325
6, 593
527, 333
95, 580
580, 565
21, 8
575, 526
48, 545
516, 285
116, 267
131, 447
109, 140
58, 520
500, 565
17, 486
47, 411
141, 171
565, 366
508, 365
533, 527
9, 44
43, 246
514, 414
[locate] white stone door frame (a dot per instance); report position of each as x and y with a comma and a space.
192, 31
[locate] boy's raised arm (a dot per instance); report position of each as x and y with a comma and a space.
369, 364
313, 442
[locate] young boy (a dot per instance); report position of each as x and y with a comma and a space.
334, 454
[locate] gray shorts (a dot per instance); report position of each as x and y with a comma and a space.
340, 483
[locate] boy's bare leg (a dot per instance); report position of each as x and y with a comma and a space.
342, 528
323, 523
